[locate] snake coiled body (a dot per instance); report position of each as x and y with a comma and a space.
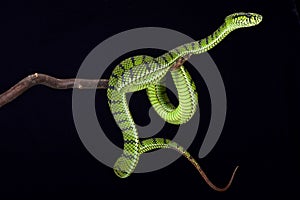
144, 72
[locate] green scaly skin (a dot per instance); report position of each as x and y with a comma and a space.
144, 72
187, 98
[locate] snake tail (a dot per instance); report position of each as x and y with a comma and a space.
162, 143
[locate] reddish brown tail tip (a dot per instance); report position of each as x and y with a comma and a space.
215, 187
229, 183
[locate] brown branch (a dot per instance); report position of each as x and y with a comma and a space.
43, 79
179, 62
49, 81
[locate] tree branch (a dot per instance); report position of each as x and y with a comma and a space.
49, 81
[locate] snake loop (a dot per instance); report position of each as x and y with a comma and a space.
144, 72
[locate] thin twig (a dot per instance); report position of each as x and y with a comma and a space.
49, 81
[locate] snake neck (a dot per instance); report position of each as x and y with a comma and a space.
138, 77
212, 40
197, 47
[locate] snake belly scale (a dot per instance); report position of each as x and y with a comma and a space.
144, 72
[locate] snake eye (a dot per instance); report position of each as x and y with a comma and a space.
248, 15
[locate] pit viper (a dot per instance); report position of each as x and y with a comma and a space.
144, 72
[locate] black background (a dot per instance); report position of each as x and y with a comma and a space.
40, 150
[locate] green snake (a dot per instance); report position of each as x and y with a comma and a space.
145, 72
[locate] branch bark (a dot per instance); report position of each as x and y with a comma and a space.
49, 81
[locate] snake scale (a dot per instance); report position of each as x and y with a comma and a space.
145, 72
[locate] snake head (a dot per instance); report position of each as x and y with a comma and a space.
243, 19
